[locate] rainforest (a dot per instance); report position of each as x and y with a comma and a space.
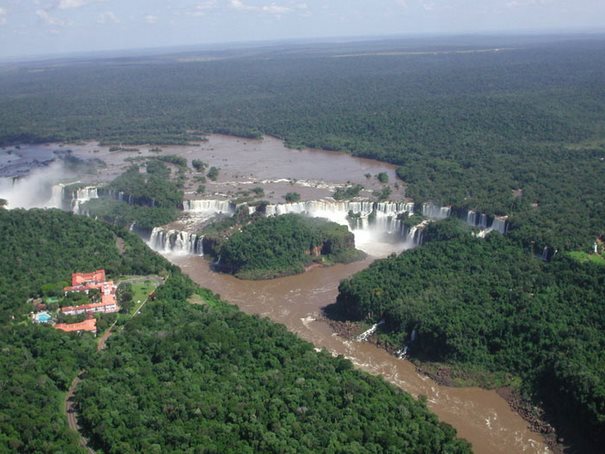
470, 172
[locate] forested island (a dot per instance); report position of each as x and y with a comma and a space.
147, 194
284, 245
178, 376
497, 315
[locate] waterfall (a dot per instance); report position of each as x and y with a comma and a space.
83, 195
415, 234
376, 216
435, 212
366, 334
500, 224
177, 241
209, 206
471, 218
402, 353
475, 219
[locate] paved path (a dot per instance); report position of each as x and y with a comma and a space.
69, 403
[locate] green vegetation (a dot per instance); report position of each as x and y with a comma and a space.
282, 245
212, 173
118, 212
383, 177
486, 304
38, 363
585, 257
292, 197
199, 165
146, 199
177, 377
207, 377
348, 192
466, 129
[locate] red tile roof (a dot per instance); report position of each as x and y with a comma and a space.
107, 300
81, 278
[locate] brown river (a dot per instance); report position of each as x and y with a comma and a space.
480, 416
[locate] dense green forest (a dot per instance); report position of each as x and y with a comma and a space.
37, 363
178, 377
283, 245
147, 195
486, 304
182, 378
467, 128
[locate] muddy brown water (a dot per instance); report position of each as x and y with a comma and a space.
246, 163
480, 416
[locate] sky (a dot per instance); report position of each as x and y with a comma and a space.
44, 27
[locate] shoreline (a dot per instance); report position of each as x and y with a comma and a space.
530, 413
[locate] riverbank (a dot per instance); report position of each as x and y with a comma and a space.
455, 377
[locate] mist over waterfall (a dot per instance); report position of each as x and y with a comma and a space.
36, 190
377, 226
176, 241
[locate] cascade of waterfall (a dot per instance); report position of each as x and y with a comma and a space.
83, 195
475, 219
415, 234
178, 241
364, 336
435, 212
209, 206
380, 217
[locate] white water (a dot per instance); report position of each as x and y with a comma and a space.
176, 241
376, 226
364, 336
36, 190
377, 229
209, 206
83, 195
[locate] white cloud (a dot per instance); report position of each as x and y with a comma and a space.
108, 17
203, 7
70, 4
49, 19
151, 19
2, 16
271, 8
522, 3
